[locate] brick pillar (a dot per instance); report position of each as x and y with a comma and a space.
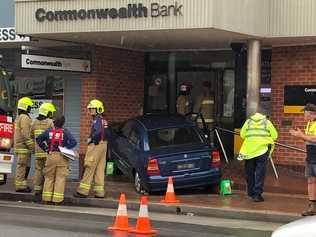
118, 81
290, 66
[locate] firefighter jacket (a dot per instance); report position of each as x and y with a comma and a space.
259, 134
37, 128
311, 146
48, 141
183, 104
205, 106
23, 142
99, 130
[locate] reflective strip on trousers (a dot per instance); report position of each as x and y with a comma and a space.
85, 186
37, 188
20, 183
58, 195
47, 194
98, 188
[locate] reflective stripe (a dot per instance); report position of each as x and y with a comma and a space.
85, 186
205, 120
257, 135
21, 151
207, 102
257, 129
98, 188
47, 194
38, 132
29, 142
37, 188
61, 195
21, 183
41, 154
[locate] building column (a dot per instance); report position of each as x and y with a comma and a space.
253, 76
172, 83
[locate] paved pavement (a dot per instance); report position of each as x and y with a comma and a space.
41, 220
277, 207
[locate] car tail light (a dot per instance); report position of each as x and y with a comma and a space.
153, 167
216, 159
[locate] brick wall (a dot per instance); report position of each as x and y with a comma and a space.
118, 80
290, 66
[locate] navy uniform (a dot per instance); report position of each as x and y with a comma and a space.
56, 167
94, 162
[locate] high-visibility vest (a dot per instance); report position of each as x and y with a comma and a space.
311, 146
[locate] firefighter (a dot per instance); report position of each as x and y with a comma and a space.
205, 105
310, 168
56, 167
42, 123
23, 144
94, 162
184, 104
259, 136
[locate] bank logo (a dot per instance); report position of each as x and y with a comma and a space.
130, 11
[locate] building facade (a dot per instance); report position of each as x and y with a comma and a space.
253, 53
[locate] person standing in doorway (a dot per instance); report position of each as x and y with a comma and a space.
205, 104
94, 162
23, 144
259, 136
310, 169
56, 166
184, 104
40, 124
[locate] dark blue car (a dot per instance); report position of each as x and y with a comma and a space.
150, 148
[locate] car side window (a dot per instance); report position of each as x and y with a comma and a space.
126, 129
134, 138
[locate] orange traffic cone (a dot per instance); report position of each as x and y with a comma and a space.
170, 195
143, 222
121, 220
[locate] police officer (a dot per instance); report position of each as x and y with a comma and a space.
184, 103
259, 136
310, 168
56, 167
42, 123
23, 144
94, 162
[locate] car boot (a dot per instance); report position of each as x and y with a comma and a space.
311, 210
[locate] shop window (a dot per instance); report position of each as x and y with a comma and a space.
40, 89
228, 93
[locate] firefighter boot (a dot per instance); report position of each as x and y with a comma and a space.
311, 210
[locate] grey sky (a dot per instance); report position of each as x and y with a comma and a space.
6, 13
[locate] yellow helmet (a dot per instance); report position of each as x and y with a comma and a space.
45, 108
24, 103
96, 104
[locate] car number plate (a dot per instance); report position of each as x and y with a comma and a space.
186, 166
1, 177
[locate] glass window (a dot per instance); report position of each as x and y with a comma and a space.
134, 138
40, 89
173, 137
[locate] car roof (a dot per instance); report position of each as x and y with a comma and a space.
158, 121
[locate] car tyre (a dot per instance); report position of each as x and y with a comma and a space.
138, 184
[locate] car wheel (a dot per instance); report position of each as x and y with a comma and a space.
138, 184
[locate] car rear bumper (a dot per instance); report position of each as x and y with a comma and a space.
159, 183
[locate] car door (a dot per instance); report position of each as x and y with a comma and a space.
135, 148
121, 148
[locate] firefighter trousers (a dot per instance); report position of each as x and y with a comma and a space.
21, 172
55, 173
39, 174
94, 165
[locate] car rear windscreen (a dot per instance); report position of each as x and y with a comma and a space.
173, 137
